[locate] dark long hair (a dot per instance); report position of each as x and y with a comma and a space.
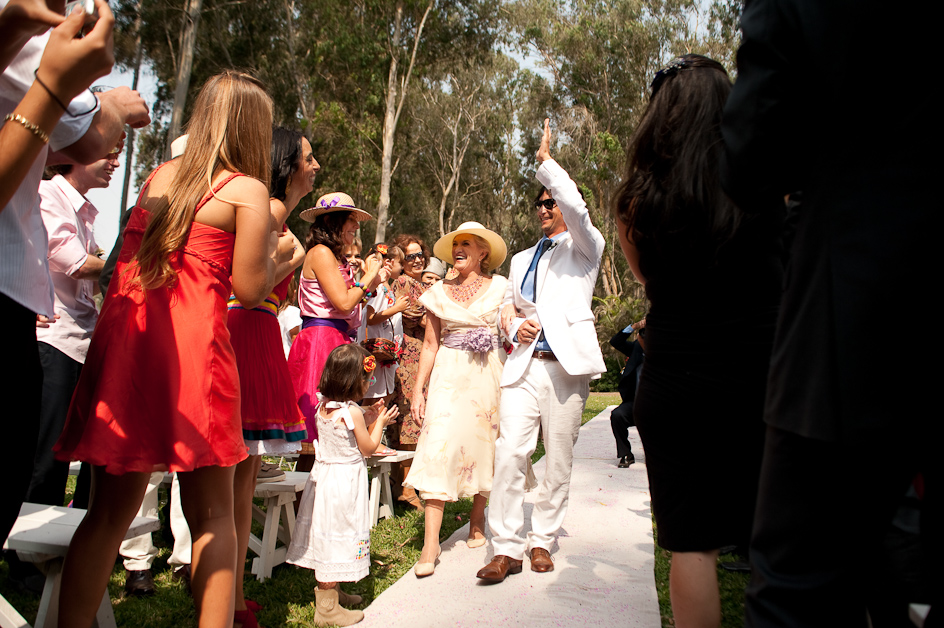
344, 377
327, 230
671, 198
286, 155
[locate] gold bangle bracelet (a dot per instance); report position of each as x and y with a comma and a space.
29, 126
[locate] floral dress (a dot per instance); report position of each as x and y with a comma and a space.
414, 329
455, 455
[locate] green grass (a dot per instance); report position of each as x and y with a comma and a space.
288, 597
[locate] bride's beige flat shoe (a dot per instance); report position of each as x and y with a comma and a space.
426, 569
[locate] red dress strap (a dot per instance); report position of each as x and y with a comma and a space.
216, 190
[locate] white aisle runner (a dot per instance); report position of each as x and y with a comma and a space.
603, 566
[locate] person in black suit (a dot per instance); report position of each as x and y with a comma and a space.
621, 419
817, 108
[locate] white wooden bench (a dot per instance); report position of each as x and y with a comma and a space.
278, 522
42, 535
75, 466
381, 497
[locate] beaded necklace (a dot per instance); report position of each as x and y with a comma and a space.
462, 293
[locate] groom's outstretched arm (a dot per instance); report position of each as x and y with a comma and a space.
587, 238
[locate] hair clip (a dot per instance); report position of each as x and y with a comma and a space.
382, 249
370, 363
679, 63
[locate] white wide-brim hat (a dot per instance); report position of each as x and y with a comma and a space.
443, 247
178, 146
334, 202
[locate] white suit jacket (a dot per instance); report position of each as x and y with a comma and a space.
566, 275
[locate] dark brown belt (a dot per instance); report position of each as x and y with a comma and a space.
544, 355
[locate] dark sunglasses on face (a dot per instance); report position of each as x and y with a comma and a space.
548, 203
414, 256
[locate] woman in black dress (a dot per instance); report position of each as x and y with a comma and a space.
712, 275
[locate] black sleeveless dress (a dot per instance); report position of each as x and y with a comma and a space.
700, 402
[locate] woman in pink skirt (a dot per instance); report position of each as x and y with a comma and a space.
329, 298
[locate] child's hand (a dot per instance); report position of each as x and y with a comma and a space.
372, 411
389, 415
403, 302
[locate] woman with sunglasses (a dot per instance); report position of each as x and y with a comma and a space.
712, 276
410, 284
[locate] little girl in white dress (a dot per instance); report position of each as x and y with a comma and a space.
332, 534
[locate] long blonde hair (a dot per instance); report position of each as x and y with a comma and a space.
230, 128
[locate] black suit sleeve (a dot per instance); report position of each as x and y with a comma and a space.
620, 342
761, 115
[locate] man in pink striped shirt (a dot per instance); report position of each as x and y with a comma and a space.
74, 265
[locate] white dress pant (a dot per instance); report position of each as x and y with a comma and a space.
139, 553
546, 397
183, 544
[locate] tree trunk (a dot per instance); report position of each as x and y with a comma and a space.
383, 204
129, 143
188, 40
394, 107
293, 60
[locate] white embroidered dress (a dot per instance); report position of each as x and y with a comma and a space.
332, 533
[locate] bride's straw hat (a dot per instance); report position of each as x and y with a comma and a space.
443, 247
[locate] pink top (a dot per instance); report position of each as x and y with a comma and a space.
314, 302
68, 219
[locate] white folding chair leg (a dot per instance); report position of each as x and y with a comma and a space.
105, 617
48, 614
9, 618
374, 496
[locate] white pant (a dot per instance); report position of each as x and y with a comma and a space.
139, 553
546, 397
183, 544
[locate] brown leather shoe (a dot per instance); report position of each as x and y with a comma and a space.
500, 567
140, 583
541, 560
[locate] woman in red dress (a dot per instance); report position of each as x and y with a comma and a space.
160, 389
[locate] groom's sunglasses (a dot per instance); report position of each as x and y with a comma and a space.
548, 203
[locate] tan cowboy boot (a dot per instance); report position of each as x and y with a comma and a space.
328, 612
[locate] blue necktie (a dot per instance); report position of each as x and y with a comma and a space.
545, 245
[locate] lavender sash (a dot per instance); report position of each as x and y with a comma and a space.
478, 340
340, 325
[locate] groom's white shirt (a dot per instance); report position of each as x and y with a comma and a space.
566, 275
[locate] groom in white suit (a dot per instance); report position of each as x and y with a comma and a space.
547, 317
